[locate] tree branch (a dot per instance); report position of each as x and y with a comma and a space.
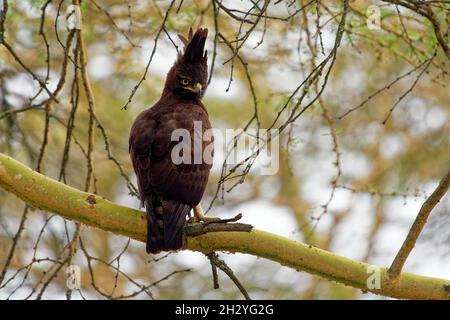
419, 223
92, 210
424, 9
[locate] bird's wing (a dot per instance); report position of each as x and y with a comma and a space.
140, 145
185, 182
151, 148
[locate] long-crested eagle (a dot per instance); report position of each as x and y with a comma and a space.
169, 189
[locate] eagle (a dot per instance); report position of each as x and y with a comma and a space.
170, 188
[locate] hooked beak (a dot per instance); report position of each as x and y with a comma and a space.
197, 88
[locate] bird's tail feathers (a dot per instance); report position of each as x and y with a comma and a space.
174, 221
165, 225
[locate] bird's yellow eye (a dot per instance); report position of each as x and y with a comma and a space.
184, 82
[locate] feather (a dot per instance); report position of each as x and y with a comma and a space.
175, 214
155, 225
194, 46
165, 224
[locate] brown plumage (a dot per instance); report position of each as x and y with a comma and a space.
168, 190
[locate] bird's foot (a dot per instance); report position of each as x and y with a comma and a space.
200, 217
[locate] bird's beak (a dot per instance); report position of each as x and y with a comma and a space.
197, 88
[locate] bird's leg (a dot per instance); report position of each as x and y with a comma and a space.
200, 217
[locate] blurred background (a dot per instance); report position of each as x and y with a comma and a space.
363, 113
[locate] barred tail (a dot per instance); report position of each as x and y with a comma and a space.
165, 225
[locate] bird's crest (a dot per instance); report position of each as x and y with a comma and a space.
194, 46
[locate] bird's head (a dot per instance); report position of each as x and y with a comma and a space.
189, 75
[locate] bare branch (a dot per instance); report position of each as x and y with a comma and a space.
419, 223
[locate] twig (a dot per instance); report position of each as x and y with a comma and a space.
219, 263
213, 270
136, 87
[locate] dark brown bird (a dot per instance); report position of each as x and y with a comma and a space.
169, 189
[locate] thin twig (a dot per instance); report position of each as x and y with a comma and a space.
219, 263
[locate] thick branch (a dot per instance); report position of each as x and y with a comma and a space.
48, 194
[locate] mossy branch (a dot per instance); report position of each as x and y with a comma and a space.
47, 194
